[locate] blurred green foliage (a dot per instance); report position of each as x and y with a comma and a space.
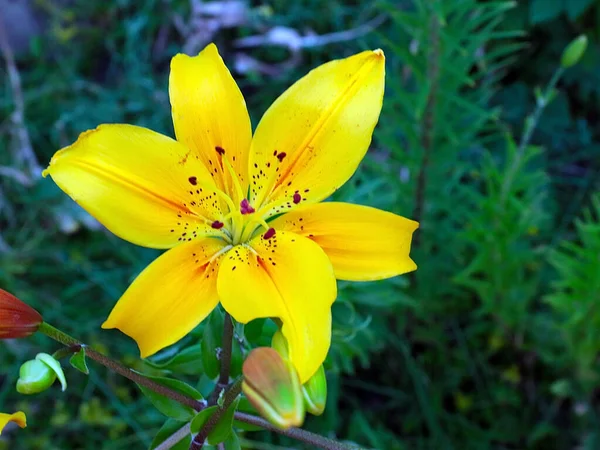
492, 344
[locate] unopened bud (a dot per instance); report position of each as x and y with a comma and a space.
279, 343
18, 418
272, 385
314, 392
17, 319
39, 374
574, 51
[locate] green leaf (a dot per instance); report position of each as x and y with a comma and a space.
166, 431
211, 341
78, 361
237, 358
232, 442
201, 418
222, 429
188, 362
171, 408
253, 330
544, 10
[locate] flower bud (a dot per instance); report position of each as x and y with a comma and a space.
39, 374
314, 392
574, 51
279, 343
273, 387
17, 319
18, 418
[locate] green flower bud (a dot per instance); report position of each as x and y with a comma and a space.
574, 51
279, 343
272, 386
39, 374
314, 392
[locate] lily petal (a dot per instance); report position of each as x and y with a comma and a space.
210, 116
18, 418
362, 243
144, 187
170, 297
287, 276
313, 137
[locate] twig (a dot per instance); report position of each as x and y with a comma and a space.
74, 345
295, 433
230, 395
172, 440
25, 152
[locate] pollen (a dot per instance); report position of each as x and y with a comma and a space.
245, 207
269, 234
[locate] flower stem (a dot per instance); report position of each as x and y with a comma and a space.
111, 364
230, 395
226, 345
174, 439
294, 433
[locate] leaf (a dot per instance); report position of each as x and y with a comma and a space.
169, 407
232, 442
222, 429
237, 358
188, 362
166, 431
211, 341
201, 418
544, 10
253, 330
78, 361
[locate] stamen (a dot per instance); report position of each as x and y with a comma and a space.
269, 234
217, 225
220, 150
245, 207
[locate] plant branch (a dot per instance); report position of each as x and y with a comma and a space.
113, 365
299, 434
226, 345
230, 395
172, 440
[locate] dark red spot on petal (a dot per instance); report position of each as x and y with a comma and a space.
297, 198
269, 234
217, 225
245, 207
281, 156
220, 150
193, 180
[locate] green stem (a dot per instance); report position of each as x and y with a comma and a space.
230, 395
531, 124
295, 433
75, 345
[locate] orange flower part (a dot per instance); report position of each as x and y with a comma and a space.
17, 319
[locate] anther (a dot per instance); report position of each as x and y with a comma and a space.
269, 234
217, 225
220, 150
245, 207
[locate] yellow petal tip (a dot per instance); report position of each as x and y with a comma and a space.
379, 53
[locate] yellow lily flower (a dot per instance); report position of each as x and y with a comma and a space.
240, 213
18, 418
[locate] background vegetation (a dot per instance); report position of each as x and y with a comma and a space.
492, 344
